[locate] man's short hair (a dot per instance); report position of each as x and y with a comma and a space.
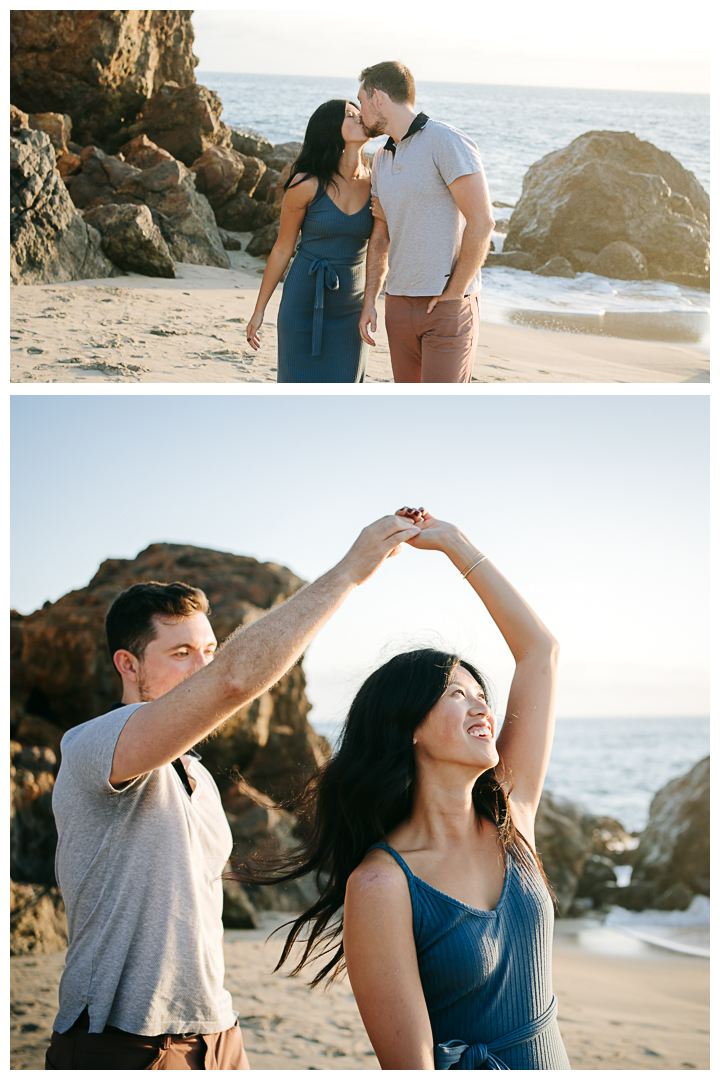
129, 622
393, 78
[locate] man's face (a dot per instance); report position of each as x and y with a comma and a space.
180, 648
374, 122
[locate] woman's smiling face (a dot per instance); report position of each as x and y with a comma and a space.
461, 727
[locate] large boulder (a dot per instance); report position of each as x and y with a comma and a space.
563, 843
610, 186
144, 173
250, 142
49, 240
263, 240
240, 213
218, 173
62, 673
184, 120
283, 154
132, 240
97, 66
674, 848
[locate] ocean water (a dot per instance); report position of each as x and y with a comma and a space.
514, 126
614, 767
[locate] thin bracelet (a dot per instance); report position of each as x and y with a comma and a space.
481, 559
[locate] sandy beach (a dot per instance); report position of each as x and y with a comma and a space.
191, 330
623, 1005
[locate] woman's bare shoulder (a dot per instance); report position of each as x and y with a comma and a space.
303, 188
378, 877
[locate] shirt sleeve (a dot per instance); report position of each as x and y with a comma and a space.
373, 175
87, 751
455, 154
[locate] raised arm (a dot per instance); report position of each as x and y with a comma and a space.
376, 267
382, 964
296, 201
525, 741
251, 660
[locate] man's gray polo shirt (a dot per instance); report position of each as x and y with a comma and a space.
139, 868
425, 225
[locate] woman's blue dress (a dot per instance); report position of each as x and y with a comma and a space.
318, 336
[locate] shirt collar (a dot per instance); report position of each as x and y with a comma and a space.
417, 125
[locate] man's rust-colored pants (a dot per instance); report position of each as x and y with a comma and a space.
115, 1049
439, 347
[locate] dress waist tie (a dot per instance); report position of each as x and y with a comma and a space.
325, 278
457, 1054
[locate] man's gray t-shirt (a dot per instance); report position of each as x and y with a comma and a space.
425, 225
139, 870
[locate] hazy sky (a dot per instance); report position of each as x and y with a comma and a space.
620, 44
593, 506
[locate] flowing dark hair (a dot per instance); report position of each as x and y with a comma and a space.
364, 791
323, 145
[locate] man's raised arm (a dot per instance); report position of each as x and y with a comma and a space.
251, 661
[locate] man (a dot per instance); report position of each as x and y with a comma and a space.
142, 837
433, 221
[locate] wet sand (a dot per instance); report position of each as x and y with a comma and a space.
623, 1005
191, 330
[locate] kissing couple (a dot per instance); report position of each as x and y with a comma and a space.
421, 216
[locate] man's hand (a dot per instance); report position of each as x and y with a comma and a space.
444, 296
433, 534
376, 209
369, 315
377, 542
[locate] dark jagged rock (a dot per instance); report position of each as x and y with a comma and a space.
144, 173
598, 872
33, 836
99, 67
282, 155
562, 840
610, 186
674, 848
240, 214
132, 240
230, 240
265, 191
249, 142
184, 120
264, 239
48, 237
253, 173
217, 174
56, 126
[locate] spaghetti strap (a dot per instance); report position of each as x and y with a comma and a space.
398, 859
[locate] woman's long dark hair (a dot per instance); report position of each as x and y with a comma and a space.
323, 145
364, 791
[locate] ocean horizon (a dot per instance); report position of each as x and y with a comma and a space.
514, 126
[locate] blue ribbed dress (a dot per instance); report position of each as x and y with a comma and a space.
318, 335
487, 976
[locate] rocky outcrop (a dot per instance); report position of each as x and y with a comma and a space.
249, 142
184, 120
37, 920
61, 671
48, 237
132, 240
144, 173
619, 260
282, 155
218, 173
56, 126
608, 187
674, 849
99, 67
32, 825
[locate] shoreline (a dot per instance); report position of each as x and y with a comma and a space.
190, 330
623, 1004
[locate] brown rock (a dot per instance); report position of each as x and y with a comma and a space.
238, 909
99, 67
266, 187
33, 836
37, 920
282, 155
239, 214
247, 141
253, 173
619, 260
185, 121
230, 240
217, 174
68, 164
132, 240
48, 237
18, 118
563, 844
264, 239
516, 260
609, 186
57, 126
282, 179
62, 672
557, 267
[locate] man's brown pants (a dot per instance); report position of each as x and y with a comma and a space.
439, 347
115, 1049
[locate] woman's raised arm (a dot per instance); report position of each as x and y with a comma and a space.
525, 741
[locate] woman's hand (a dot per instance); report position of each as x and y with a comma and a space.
434, 534
376, 209
251, 331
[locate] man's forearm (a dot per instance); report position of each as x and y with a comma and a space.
376, 264
473, 252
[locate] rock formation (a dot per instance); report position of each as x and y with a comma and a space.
184, 120
674, 848
132, 240
49, 241
144, 173
99, 67
608, 187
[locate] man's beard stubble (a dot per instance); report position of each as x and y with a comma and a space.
378, 127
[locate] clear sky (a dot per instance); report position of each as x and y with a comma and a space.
619, 44
593, 506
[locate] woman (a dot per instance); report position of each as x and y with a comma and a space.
423, 830
327, 200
